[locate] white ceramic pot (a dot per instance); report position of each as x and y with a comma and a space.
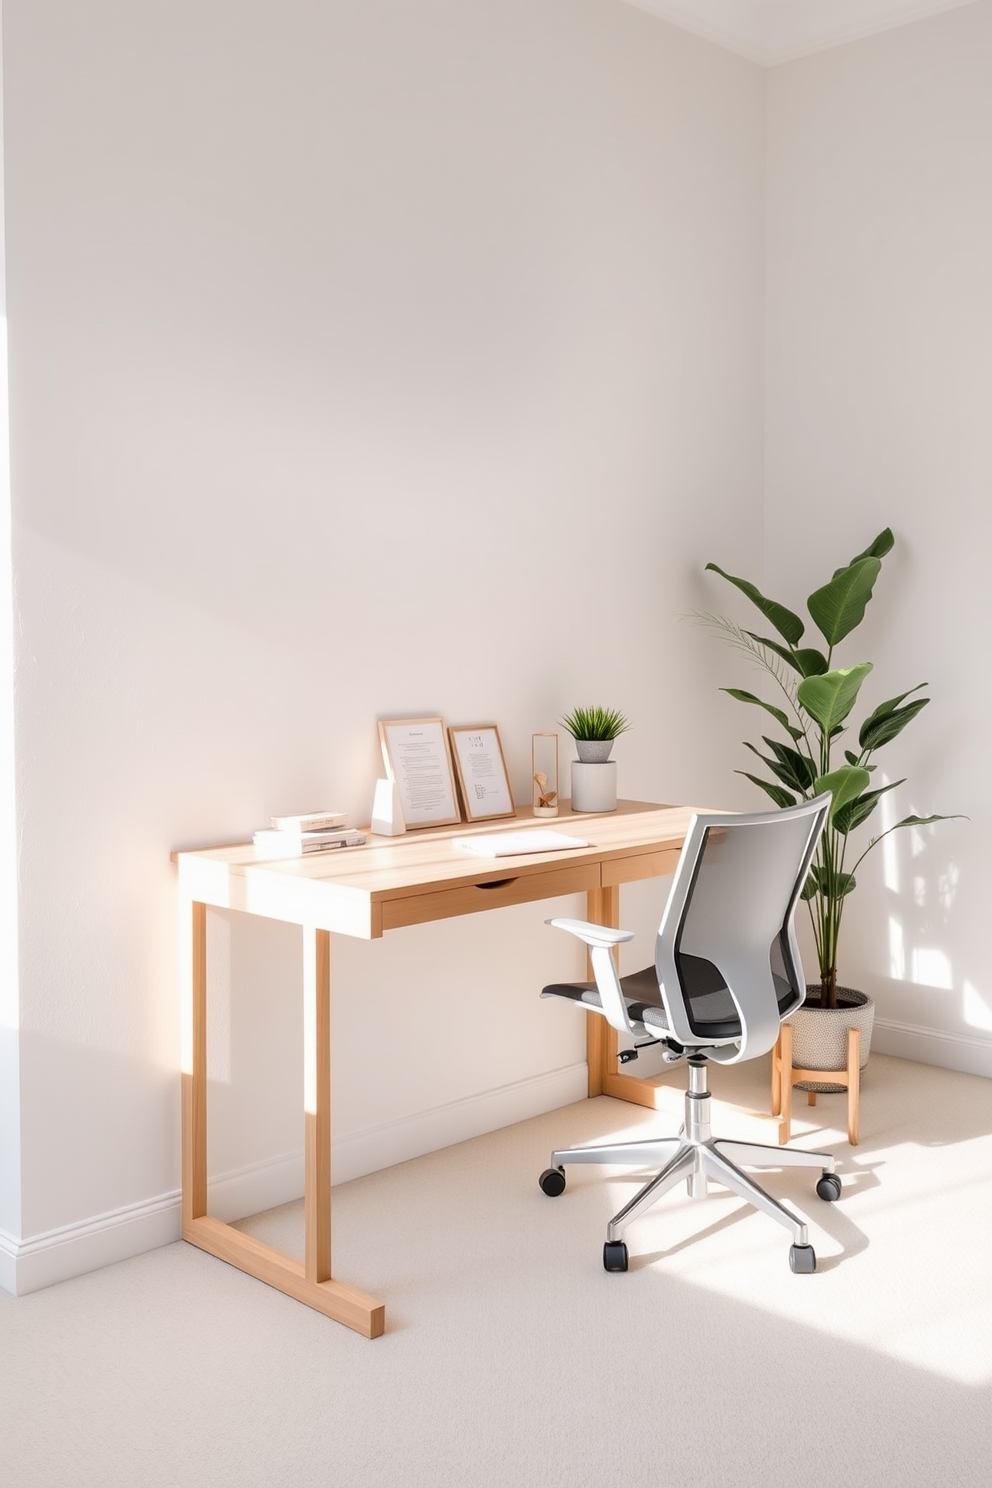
594, 787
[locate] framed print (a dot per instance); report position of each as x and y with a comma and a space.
481, 769
415, 753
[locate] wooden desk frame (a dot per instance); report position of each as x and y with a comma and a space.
363, 892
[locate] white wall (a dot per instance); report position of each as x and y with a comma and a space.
10, 1123
365, 359
879, 391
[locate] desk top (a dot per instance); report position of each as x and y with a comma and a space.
421, 876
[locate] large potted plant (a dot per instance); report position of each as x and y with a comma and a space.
818, 750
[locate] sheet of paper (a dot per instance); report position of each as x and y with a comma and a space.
483, 772
417, 759
515, 844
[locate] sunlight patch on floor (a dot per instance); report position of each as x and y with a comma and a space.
719, 1243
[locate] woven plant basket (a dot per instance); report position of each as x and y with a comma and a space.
819, 1035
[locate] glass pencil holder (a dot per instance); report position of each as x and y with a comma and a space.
544, 774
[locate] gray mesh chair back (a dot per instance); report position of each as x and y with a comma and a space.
726, 957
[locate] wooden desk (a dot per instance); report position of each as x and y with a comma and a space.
364, 892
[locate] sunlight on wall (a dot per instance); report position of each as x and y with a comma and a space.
926, 901
977, 1008
931, 968
930, 965
897, 950
889, 847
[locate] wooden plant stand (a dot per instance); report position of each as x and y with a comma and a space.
785, 1075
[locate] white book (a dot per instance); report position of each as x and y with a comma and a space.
297, 844
515, 844
310, 821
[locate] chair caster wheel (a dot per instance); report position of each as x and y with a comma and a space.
615, 1255
552, 1182
828, 1187
802, 1259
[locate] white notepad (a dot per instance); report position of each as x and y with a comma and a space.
513, 844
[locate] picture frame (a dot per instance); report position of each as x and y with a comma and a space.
480, 766
417, 757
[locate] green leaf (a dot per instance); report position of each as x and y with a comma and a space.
779, 796
799, 766
595, 723
831, 885
804, 659
883, 544
891, 704
830, 698
812, 663
923, 821
839, 607
788, 624
908, 821
844, 784
777, 713
860, 809
889, 719
781, 771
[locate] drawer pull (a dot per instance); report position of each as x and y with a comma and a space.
496, 883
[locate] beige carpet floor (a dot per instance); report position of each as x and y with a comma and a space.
512, 1359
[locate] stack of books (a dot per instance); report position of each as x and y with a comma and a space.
312, 832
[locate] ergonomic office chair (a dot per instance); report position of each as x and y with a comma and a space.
726, 974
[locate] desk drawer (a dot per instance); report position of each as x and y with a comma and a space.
656, 864
492, 892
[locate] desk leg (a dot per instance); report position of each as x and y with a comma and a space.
310, 1282
603, 908
193, 960
317, 1101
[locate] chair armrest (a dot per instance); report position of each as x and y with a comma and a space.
601, 941
593, 935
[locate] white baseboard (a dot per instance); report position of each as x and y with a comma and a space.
263, 1185
28, 1265
398, 1141
40, 1261
8, 1262
971, 1054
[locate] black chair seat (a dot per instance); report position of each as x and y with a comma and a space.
708, 1001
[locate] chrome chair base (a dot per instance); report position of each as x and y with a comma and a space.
694, 1157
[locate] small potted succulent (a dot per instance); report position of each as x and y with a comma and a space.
594, 731
594, 774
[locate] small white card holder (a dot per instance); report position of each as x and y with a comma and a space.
387, 812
